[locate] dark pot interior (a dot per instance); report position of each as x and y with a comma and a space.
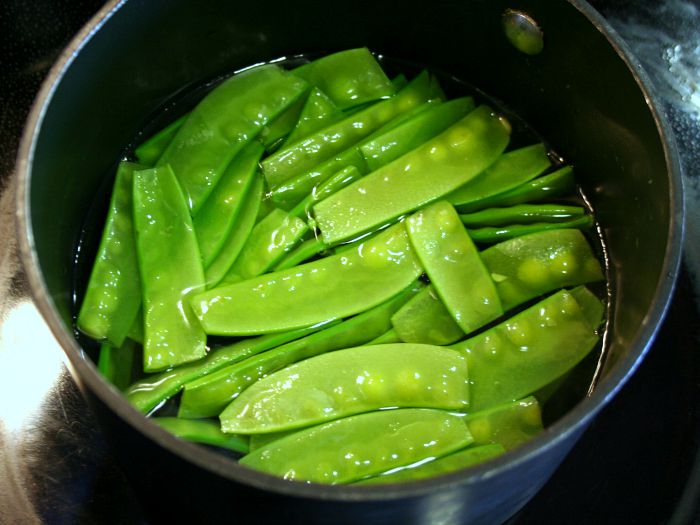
581, 93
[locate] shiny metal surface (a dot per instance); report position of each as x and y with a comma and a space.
54, 467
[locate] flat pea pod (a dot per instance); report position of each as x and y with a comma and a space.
355, 447
229, 117
509, 171
529, 266
152, 149
490, 234
330, 288
390, 336
529, 350
113, 296
209, 395
424, 319
303, 252
468, 457
171, 270
555, 184
349, 78
116, 364
521, 214
218, 214
509, 425
454, 266
318, 112
272, 136
151, 391
202, 431
343, 178
350, 381
423, 175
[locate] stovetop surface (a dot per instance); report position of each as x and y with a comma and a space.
637, 463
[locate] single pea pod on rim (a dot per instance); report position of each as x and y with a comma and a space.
351, 381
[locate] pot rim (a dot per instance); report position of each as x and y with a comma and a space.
86, 375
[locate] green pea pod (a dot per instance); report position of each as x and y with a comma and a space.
521, 214
330, 288
509, 171
116, 364
272, 136
136, 331
273, 237
459, 460
399, 81
423, 175
113, 295
217, 216
355, 447
492, 234
303, 252
209, 395
509, 425
454, 266
150, 392
346, 382
343, 178
238, 234
204, 432
415, 131
350, 77
388, 337
424, 319
227, 119
171, 270
319, 111
306, 154
529, 350
151, 149
560, 182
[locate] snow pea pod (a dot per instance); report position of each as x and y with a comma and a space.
116, 364
351, 381
490, 234
349, 78
113, 296
217, 216
521, 214
388, 337
531, 349
343, 178
509, 171
424, 319
459, 460
229, 117
508, 425
307, 153
319, 111
151, 150
209, 395
272, 136
204, 432
355, 447
303, 252
171, 270
454, 266
423, 175
150, 392
330, 288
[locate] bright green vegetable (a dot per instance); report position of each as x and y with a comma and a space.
343, 178
171, 270
303, 252
424, 319
205, 432
521, 214
331, 288
508, 425
117, 364
491, 234
276, 131
151, 149
319, 111
388, 337
355, 447
423, 175
454, 266
113, 296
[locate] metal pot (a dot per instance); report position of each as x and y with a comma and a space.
583, 91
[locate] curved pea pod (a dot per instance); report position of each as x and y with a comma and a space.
424, 319
521, 214
350, 77
303, 252
217, 216
319, 111
509, 171
330, 288
272, 135
526, 267
209, 395
529, 350
148, 393
351, 381
491, 234
152, 149
113, 296
355, 447
229, 117
454, 266
459, 460
341, 179
423, 175
171, 269
508, 425
204, 432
